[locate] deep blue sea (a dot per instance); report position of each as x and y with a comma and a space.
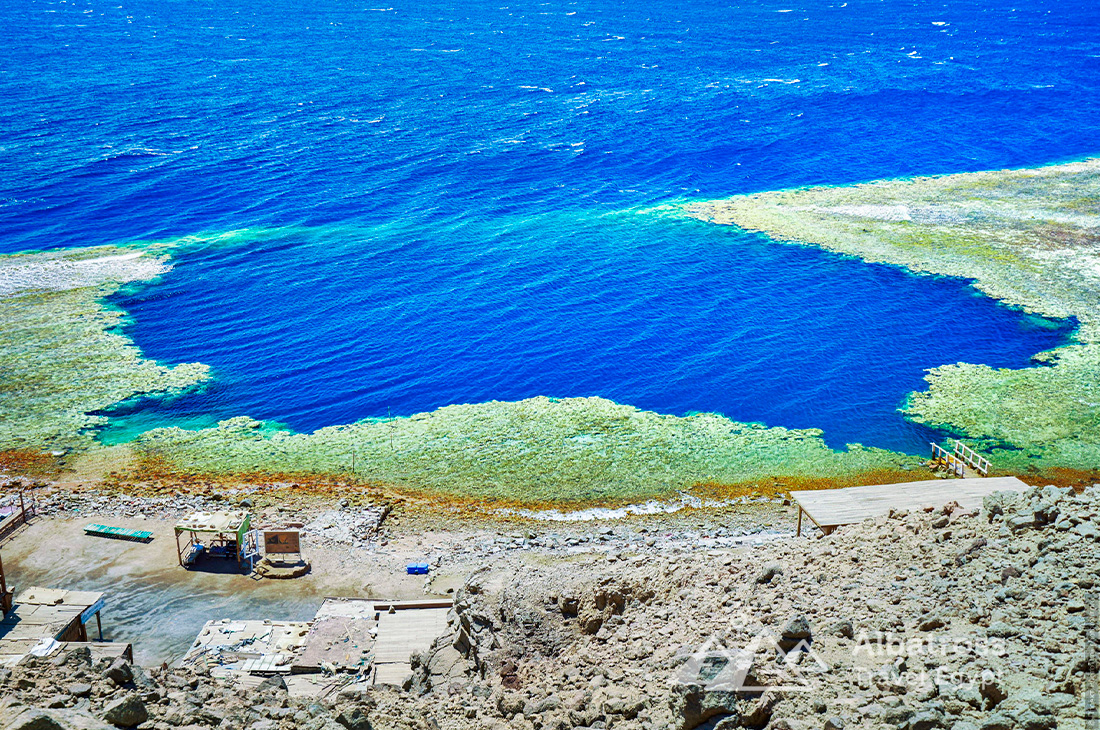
443, 203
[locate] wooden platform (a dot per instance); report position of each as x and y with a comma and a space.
119, 533
52, 613
831, 508
399, 635
337, 641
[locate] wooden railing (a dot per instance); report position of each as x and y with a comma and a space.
954, 464
24, 508
958, 460
979, 464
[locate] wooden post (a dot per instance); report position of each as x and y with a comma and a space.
99, 625
799, 533
22, 507
4, 597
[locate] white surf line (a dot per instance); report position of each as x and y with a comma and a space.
651, 507
51, 273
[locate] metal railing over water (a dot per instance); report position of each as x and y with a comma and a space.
958, 460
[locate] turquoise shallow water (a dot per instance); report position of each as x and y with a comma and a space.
448, 203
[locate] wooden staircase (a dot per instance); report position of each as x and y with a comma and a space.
962, 462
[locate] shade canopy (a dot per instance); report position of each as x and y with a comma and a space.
215, 522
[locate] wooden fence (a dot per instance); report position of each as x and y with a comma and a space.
20, 509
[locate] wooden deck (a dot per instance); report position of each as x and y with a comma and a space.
399, 635
831, 508
342, 642
51, 613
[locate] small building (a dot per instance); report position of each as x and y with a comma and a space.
215, 534
44, 621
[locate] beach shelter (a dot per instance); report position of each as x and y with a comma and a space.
219, 534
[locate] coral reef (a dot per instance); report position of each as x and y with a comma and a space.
1046, 416
1030, 238
61, 355
535, 450
64, 359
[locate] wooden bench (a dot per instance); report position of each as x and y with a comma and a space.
118, 533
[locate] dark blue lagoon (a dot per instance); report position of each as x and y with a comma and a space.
384, 210
663, 314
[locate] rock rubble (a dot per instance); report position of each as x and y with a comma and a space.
914, 621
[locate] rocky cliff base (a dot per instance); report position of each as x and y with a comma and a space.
913, 621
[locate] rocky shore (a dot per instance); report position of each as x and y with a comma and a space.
367, 524
912, 621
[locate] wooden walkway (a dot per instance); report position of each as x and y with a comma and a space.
15, 512
831, 508
342, 642
400, 634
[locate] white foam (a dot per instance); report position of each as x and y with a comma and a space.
59, 272
652, 507
876, 212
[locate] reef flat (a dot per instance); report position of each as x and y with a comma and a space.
534, 450
1030, 238
62, 357
1027, 237
66, 357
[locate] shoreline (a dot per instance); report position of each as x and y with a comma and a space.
118, 473
999, 228
939, 618
355, 548
540, 450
